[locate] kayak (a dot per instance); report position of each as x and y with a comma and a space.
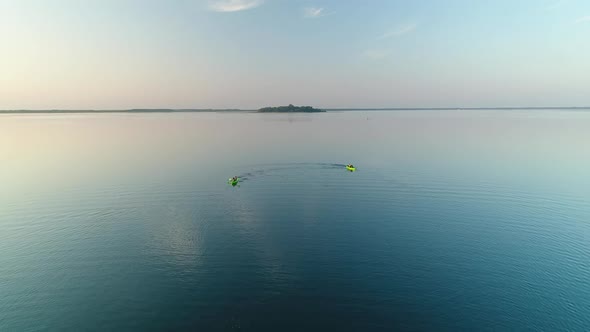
233, 182
352, 169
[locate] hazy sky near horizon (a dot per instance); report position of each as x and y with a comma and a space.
116, 54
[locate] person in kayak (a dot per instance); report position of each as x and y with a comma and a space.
234, 179
350, 166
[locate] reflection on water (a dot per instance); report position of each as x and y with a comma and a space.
456, 220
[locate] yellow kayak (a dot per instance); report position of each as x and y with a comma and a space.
352, 169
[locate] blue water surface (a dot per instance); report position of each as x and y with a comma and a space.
453, 221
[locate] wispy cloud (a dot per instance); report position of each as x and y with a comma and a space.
375, 54
399, 31
582, 19
233, 5
555, 5
314, 12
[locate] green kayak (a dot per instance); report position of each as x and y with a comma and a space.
352, 169
233, 182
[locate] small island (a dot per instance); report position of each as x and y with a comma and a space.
290, 109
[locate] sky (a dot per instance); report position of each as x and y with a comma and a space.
121, 54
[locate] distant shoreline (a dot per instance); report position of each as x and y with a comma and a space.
122, 111
256, 111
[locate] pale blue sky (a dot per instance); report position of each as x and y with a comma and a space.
113, 54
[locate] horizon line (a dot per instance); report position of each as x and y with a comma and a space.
194, 110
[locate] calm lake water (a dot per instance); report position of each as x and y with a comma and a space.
454, 220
